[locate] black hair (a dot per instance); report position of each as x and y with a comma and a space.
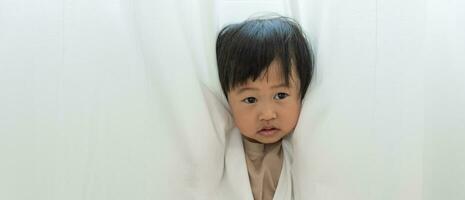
245, 50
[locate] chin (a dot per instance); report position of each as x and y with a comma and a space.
269, 140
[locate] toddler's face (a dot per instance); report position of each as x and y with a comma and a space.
265, 110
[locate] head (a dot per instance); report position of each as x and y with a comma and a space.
265, 66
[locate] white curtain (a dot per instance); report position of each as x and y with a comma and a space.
119, 99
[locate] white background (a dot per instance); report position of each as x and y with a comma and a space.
105, 99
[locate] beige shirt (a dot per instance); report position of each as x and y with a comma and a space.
264, 164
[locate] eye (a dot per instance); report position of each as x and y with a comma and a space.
281, 95
249, 100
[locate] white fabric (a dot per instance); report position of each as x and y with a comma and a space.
235, 182
118, 99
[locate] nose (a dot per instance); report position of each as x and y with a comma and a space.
267, 113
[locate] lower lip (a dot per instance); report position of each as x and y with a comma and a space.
269, 132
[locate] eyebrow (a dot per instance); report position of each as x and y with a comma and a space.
252, 88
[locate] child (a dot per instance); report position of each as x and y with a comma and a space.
265, 66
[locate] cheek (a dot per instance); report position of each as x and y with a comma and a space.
292, 116
242, 118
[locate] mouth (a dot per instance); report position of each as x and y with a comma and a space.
268, 131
